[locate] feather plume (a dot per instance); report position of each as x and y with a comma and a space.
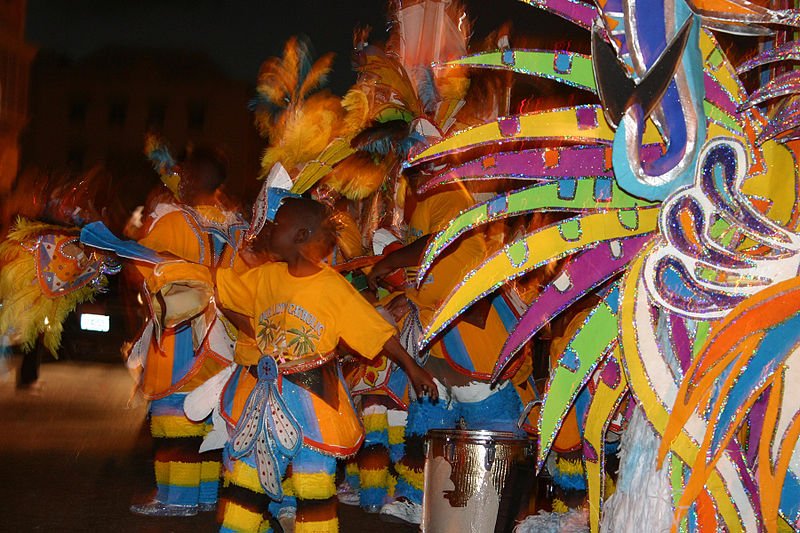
284, 83
317, 76
359, 175
379, 68
304, 133
358, 108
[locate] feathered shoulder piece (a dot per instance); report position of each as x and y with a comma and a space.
45, 273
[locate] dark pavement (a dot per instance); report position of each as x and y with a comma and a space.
73, 457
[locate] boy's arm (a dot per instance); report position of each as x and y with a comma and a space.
420, 378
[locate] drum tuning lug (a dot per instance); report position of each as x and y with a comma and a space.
450, 451
488, 460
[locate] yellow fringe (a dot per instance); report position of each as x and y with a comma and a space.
237, 518
319, 486
375, 422
351, 468
328, 526
573, 467
396, 434
178, 474
414, 478
210, 471
611, 487
176, 426
371, 479
245, 476
559, 506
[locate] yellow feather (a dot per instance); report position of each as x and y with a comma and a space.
357, 105
316, 76
359, 175
304, 133
27, 312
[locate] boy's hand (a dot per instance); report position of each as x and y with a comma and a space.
420, 378
423, 383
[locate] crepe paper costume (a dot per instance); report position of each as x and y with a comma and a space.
674, 125
298, 324
196, 343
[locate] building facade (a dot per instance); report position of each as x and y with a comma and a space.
15, 59
98, 109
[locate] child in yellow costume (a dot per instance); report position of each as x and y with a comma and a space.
463, 358
197, 229
295, 412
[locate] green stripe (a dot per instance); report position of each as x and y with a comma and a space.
537, 63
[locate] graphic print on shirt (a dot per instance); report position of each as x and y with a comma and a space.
288, 331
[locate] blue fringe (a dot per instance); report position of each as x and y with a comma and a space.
424, 415
498, 412
569, 481
377, 437
396, 452
372, 496
404, 490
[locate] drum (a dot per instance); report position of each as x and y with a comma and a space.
476, 481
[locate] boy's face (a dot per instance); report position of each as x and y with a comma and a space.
284, 235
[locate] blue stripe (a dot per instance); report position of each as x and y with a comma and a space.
506, 314
790, 498
373, 496
183, 353
171, 405
405, 490
230, 392
456, 349
176, 495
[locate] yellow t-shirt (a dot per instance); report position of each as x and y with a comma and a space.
296, 317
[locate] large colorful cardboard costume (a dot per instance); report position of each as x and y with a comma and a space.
679, 183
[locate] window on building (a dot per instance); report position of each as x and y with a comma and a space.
78, 107
196, 116
76, 157
156, 115
117, 112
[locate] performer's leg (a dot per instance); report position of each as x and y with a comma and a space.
373, 458
397, 427
243, 504
210, 474
313, 479
348, 490
178, 462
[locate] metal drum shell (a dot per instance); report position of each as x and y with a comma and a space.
475, 481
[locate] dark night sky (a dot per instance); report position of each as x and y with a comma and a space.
238, 34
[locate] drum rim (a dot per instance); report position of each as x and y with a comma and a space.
481, 435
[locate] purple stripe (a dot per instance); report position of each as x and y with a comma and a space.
586, 270
719, 96
681, 343
576, 12
573, 161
